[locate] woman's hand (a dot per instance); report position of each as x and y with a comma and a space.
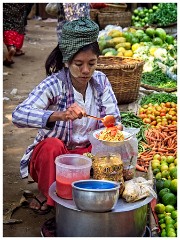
71, 113
74, 112
120, 127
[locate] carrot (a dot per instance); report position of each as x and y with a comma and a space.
140, 168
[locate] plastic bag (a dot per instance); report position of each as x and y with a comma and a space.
138, 188
52, 9
128, 151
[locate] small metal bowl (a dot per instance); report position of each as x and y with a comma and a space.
95, 195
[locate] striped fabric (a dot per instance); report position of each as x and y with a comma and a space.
55, 93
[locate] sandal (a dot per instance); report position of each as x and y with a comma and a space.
8, 63
48, 228
28, 194
19, 53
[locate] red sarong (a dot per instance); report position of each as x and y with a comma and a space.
13, 38
42, 167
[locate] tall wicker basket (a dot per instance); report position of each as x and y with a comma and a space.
124, 74
114, 7
122, 19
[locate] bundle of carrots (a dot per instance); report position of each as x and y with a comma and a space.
162, 141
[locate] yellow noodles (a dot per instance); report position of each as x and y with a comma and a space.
110, 135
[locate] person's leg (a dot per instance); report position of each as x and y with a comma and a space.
19, 43
8, 38
42, 167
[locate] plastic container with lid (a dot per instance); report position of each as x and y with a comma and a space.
70, 168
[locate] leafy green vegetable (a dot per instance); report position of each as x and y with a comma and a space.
158, 98
158, 79
165, 14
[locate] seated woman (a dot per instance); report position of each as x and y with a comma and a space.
57, 107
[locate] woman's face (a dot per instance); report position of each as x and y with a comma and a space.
82, 66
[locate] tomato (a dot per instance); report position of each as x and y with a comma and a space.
162, 114
168, 104
156, 113
174, 118
147, 120
153, 123
171, 112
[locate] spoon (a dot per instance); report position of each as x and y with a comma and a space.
108, 121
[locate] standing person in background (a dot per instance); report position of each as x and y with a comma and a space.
14, 15
69, 12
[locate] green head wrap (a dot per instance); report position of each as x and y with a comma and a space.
77, 34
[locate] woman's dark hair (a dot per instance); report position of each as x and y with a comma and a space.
54, 62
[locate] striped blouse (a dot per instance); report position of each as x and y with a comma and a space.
55, 93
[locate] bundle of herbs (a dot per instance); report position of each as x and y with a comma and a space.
165, 14
157, 78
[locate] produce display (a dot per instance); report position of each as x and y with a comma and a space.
161, 14
165, 171
156, 118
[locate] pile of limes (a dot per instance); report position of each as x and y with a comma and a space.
165, 171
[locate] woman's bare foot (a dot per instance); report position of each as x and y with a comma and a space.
38, 203
10, 54
19, 52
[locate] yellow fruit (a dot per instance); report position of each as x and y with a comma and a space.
128, 53
135, 46
127, 45
121, 49
152, 50
119, 40
120, 54
115, 33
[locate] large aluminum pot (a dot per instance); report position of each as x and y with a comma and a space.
125, 220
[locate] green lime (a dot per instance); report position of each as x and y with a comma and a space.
173, 173
165, 174
174, 214
169, 198
159, 184
169, 220
163, 234
155, 171
173, 186
161, 215
159, 208
169, 225
169, 208
162, 220
163, 191
162, 225
158, 176
167, 183
175, 225
171, 234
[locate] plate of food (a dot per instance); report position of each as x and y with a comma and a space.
112, 136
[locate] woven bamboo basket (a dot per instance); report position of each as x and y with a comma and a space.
146, 86
124, 74
94, 15
114, 7
122, 19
